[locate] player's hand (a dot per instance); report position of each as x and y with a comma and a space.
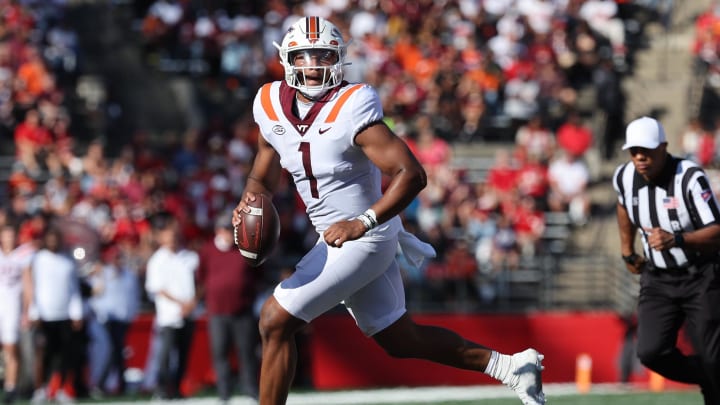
242, 206
343, 231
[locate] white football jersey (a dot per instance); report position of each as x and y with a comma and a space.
334, 178
12, 266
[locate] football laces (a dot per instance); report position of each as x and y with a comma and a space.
235, 236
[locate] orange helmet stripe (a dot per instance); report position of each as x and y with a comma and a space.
313, 28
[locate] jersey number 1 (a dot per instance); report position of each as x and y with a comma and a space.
305, 150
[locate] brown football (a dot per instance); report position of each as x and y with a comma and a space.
259, 230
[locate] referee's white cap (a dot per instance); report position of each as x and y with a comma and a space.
644, 132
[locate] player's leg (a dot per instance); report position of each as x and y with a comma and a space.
11, 370
521, 371
9, 335
379, 309
406, 339
279, 352
322, 279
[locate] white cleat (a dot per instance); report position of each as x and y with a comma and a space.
526, 380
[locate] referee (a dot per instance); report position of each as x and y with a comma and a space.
668, 201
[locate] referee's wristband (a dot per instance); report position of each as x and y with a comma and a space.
369, 219
631, 258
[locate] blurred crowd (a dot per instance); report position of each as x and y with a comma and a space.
541, 78
700, 139
537, 79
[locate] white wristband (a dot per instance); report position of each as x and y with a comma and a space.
362, 218
368, 218
373, 217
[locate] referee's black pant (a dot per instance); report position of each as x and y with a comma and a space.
669, 298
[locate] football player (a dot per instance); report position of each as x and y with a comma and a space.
330, 135
14, 273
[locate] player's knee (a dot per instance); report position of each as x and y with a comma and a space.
276, 323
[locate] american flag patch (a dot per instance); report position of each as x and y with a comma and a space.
706, 195
670, 203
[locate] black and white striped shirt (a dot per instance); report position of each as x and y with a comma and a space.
679, 200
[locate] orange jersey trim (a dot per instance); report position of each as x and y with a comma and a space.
266, 102
341, 101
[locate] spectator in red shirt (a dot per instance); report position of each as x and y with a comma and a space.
529, 223
573, 136
706, 149
229, 287
502, 176
707, 28
31, 139
532, 180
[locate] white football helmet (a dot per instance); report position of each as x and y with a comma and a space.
310, 35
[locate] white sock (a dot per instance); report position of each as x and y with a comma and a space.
500, 367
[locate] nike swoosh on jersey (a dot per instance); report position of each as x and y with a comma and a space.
323, 130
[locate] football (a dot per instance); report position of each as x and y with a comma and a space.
258, 231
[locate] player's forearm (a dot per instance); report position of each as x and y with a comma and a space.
403, 188
256, 185
265, 174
